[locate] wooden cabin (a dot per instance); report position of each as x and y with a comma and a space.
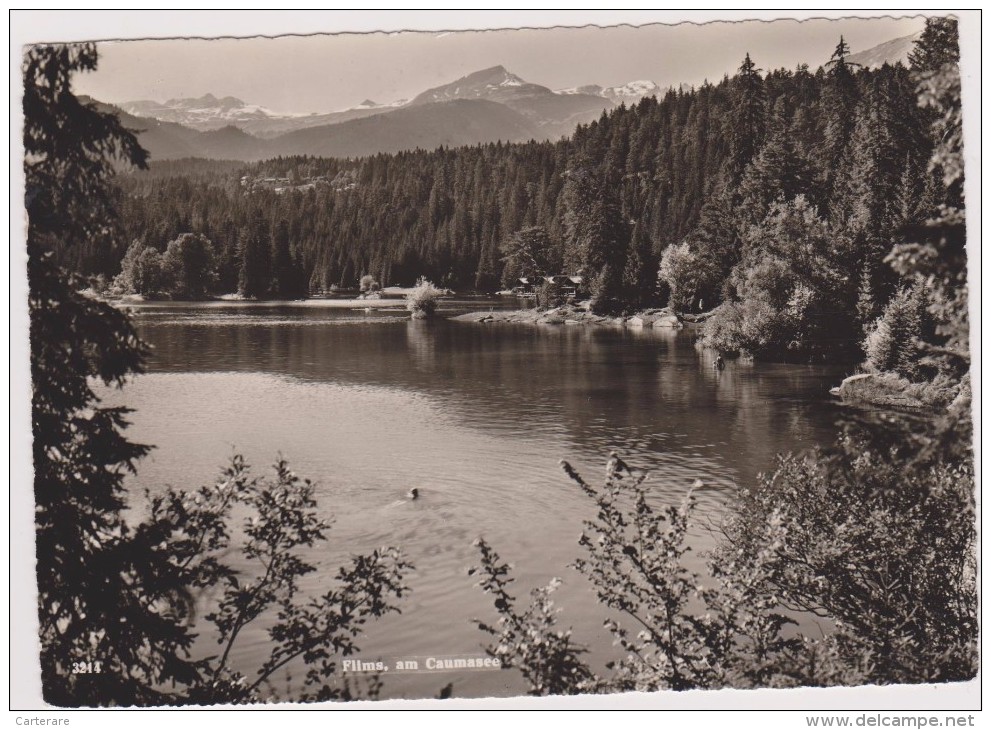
528, 286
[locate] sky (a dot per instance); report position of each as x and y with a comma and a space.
322, 73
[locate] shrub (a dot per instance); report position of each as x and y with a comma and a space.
368, 283
549, 295
141, 271
189, 265
530, 641
791, 296
635, 561
891, 389
422, 300
187, 268
279, 524
895, 342
721, 331
679, 270
751, 327
877, 537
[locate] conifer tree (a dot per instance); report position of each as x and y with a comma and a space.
102, 595
254, 278
640, 274
524, 254
777, 173
286, 276
748, 118
839, 102
938, 45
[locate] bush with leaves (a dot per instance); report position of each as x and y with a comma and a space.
895, 343
367, 284
141, 271
422, 299
189, 264
280, 524
679, 269
635, 559
752, 327
793, 293
879, 536
877, 539
530, 640
550, 295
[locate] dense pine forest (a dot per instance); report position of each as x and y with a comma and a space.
769, 191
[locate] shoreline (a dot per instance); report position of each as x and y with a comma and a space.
874, 390
313, 303
660, 318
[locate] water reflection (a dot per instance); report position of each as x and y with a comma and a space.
476, 417
640, 391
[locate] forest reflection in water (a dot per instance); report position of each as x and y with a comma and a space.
476, 417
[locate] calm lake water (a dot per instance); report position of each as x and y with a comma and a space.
370, 404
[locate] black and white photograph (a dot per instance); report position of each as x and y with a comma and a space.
451, 363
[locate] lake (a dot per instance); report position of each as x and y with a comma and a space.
369, 404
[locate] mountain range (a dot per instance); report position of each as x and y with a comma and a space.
208, 113
892, 52
485, 106
488, 105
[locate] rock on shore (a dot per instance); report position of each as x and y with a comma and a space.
877, 390
571, 315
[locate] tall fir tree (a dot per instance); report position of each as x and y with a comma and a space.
748, 117
839, 105
104, 594
254, 279
778, 171
938, 45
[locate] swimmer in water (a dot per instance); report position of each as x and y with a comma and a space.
413, 494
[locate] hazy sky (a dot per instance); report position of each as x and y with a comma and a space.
323, 73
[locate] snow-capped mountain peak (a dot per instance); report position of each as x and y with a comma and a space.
369, 104
590, 89
494, 84
629, 93
205, 112
639, 88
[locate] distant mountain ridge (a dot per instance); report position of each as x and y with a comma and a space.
206, 111
489, 105
629, 93
455, 123
892, 52
553, 113
486, 106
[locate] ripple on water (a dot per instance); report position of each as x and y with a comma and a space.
476, 419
